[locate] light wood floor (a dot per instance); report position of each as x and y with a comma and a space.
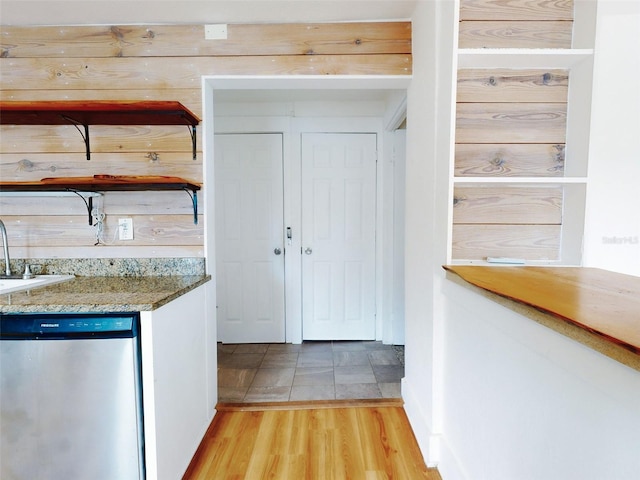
311, 440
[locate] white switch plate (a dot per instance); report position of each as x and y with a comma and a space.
215, 32
125, 228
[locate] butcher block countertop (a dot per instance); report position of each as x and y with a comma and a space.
596, 307
102, 294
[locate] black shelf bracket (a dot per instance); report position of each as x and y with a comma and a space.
87, 144
88, 202
192, 131
194, 201
85, 135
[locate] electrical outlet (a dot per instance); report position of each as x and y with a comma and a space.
125, 228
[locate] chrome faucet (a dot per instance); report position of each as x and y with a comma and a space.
5, 243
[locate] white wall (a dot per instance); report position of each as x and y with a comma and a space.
612, 227
523, 402
399, 180
426, 223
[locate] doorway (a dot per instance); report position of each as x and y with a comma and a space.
293, 107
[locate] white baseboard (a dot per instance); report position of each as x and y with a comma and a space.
434, 447
427, 441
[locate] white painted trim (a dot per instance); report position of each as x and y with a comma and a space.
428, 442
149, 399
526, 180
521, 57
397, 115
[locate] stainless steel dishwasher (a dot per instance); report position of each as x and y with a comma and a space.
70, 397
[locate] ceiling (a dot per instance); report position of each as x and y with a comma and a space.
120, 12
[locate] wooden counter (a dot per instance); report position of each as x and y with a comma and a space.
596, 307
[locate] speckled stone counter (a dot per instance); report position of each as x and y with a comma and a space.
102, 294
106, 285
110, 267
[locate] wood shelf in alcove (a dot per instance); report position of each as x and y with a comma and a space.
101, 112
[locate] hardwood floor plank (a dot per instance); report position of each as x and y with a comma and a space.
320, 441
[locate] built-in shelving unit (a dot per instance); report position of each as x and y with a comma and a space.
86, 113
519, 157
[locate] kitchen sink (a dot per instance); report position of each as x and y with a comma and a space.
10, 285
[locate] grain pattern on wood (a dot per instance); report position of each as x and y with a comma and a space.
511, 123
520, 86
113, 203
181, 72
503, 160
29, 167
189, 40
65, 231
142, 63
314, 443
516, 10
530, 242
507, 205
521, 34
601, 302
120, 139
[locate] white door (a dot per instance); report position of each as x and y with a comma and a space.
338, 236
249, 238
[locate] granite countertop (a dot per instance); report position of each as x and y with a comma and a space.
102, 294
598, 308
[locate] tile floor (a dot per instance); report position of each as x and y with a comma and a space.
310, 371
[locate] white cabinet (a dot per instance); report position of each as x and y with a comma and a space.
179, 382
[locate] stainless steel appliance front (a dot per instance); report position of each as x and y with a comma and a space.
70, 398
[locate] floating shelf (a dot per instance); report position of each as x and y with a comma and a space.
85, 113
87, 187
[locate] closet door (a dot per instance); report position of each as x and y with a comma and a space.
249, 238
338, 236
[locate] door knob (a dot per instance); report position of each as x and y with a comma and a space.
308, 251
277, 251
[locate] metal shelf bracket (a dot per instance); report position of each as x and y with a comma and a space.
85, 135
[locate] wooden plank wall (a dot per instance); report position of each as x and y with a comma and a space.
515, 24
156, 62
510, 123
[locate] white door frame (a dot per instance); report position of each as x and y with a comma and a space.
294, 127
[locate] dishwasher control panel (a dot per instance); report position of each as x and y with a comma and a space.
52, 325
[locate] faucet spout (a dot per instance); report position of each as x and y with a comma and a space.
5, 243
